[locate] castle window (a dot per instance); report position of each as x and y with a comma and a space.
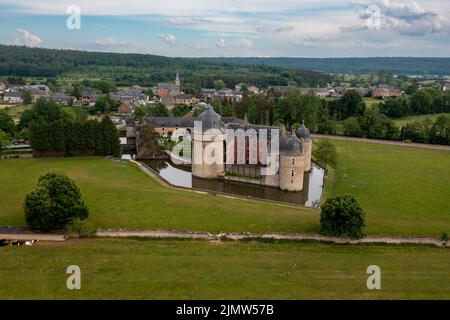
293, 173
293, 161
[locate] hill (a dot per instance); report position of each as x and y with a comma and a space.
397, 65
143, 69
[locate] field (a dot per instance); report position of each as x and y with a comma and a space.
15, 110
120, 195
132, 269
404, 191
371, 102
403, 121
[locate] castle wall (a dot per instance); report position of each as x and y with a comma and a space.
292, 170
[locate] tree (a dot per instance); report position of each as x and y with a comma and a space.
159, 110
26, 96
138, 113
147, 143
4, 140
352, 127
350, 104
421, 102
180, 110
219, 84
7, 124
325, 154
342, 216
55, 202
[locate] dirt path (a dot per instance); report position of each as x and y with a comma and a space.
169, 234
385, 142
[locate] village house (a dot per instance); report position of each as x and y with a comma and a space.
229, 94
135, 96
2, 88
126, 108
13, 97
208, 94
89, 98
187, 99
62, 99
385, 91
446, 86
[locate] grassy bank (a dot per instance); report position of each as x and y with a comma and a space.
121, 195
131, 269
404, 191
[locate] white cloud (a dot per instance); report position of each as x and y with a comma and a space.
221, 43
246, 43
169, 39
110, 41
405, 17
26, 38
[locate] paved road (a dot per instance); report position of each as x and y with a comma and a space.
385, 142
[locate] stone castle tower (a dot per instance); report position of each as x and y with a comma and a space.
294, 153
292, 164
203, 164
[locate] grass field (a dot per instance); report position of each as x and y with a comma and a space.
15, 110
120, 195
403, 121
404, 191
132, 269
370, 102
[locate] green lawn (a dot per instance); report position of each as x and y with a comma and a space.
15, 110
404, 191
121, 195
370, 102
403, 121
131, 269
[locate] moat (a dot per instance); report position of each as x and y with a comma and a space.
181, 176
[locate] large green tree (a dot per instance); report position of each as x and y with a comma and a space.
54, 203
7, 124
342, 216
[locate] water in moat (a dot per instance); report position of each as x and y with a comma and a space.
181, 176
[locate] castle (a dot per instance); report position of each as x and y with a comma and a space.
293, 159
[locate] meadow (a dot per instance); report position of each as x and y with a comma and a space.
134, 269
404, 192
403, 121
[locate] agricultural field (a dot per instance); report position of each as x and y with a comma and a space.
404, 192
152, 269
403, 121
15, 110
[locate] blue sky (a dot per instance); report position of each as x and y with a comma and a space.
290, 28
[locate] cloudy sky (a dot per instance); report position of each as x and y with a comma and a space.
288, 28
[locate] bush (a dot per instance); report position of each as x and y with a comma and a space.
444, 237
342, 216
54, 203
80, 228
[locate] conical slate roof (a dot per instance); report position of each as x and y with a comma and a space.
210, 119
290, 146
303, 132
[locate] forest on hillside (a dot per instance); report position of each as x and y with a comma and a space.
396, 65
144, 69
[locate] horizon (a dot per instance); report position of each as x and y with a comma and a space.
227, 29
229, 57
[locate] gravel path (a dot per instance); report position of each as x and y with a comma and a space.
123, 233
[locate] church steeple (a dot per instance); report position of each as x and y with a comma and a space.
177, 81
